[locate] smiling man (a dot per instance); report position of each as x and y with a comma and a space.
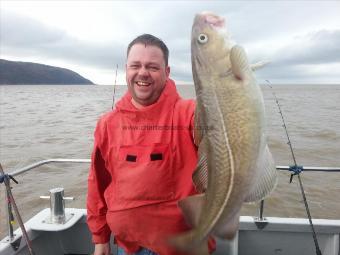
143, 158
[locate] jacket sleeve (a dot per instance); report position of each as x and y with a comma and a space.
98, 180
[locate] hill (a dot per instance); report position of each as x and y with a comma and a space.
27, 73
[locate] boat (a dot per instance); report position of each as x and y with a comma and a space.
63, 231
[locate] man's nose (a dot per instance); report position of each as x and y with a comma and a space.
143, 71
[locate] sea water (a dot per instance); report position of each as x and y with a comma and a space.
41, 122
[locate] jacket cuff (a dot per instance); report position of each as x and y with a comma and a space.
103, 237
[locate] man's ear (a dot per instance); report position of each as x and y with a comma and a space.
167, 71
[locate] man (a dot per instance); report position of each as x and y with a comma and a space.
143, 158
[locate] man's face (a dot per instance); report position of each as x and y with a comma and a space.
146, 73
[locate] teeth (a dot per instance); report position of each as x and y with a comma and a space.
141, 83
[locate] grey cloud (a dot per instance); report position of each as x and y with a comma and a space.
318, 47
19, 31
295, 73
30, 37
297, 60
249, 23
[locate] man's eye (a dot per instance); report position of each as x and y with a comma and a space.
134, 66
153, 68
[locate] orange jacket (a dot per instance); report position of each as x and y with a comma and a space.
142, 164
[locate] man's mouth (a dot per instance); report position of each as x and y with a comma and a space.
143, 83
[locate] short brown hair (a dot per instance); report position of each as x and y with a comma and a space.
148, 39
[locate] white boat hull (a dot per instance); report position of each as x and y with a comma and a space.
284, 236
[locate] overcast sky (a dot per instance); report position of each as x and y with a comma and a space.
300, 38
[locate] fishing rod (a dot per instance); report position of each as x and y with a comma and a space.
297, 169
113, 103
11, 202
114, 89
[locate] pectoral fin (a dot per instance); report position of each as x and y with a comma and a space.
239, 62
200, 175
267, 179
191, 208
198, 134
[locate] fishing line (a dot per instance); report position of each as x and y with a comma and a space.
296, 169
114, 89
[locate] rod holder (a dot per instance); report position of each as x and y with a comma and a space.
57, 205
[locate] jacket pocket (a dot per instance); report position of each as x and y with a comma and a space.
144, 173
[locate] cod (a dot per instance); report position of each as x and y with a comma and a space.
235, 164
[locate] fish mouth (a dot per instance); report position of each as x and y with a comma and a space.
213, 19
209, 18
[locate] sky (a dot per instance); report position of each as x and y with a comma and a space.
301, 39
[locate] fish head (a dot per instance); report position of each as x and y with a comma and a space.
210, 44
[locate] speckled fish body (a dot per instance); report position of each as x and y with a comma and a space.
234, 158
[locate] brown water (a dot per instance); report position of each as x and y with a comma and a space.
41, 122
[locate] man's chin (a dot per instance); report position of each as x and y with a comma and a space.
144, 101
142, 96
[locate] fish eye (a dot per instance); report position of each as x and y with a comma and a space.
202, 38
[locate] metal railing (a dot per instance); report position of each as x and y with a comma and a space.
65, 160
47, 161
312, 168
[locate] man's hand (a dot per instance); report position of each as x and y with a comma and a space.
102, 249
